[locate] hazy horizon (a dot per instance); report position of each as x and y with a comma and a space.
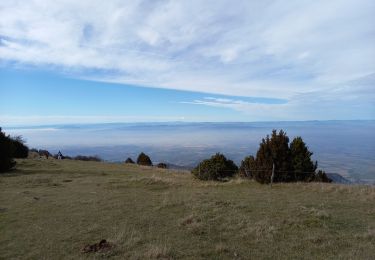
344, 147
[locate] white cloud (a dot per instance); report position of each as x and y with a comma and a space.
275, 48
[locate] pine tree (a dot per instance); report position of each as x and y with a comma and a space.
303, 167
292, 163
144, 159
162, 165
7, 150
274, 150
321, 176
247, 167
21, 150
129, 160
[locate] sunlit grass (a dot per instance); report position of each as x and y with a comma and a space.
50, 209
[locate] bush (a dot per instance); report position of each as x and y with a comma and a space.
7, 150
274, 149
162, 165
20, 149
45, 153
292, 163
303, 167
129, 160
94, 158
321, 176
216, 168
247, 166
144, 159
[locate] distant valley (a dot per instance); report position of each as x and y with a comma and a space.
343, 147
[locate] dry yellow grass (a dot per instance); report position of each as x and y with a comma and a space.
50, 209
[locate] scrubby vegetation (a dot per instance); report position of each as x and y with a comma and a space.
247, 164
7, 152
20, 149
10, 148
290, 162
94, 158
275, 161
42, 153
162, 165
218, 167
144, 159
129, 160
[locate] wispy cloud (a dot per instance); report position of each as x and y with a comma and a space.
275, 49
239, 105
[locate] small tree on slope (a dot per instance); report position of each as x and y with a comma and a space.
216, 168
144, 159
303, 167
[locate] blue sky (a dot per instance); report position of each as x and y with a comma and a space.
51, 98
138, 61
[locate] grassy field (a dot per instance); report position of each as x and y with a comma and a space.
51, 209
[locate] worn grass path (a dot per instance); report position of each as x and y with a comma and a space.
50, 209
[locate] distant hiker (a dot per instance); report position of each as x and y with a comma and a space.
59, 156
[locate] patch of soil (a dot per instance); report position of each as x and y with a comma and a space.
103, 245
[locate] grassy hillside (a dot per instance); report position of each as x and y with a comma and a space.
51, 209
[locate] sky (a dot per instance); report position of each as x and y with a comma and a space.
92, 61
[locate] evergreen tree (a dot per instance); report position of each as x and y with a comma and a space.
7, 150
129, 160
144, 159
274, 150
247, 167
217, 167
321, 176
303, 167
292, 163
21, 150
162, 165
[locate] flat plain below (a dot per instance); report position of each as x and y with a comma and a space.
51, 209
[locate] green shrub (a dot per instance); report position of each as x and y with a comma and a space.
303, 167
292, 163
247, 167
216, 168
144, 159
321, 176
162, 165
7, 150
129, 160
94, 158
274, 149
20, 149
